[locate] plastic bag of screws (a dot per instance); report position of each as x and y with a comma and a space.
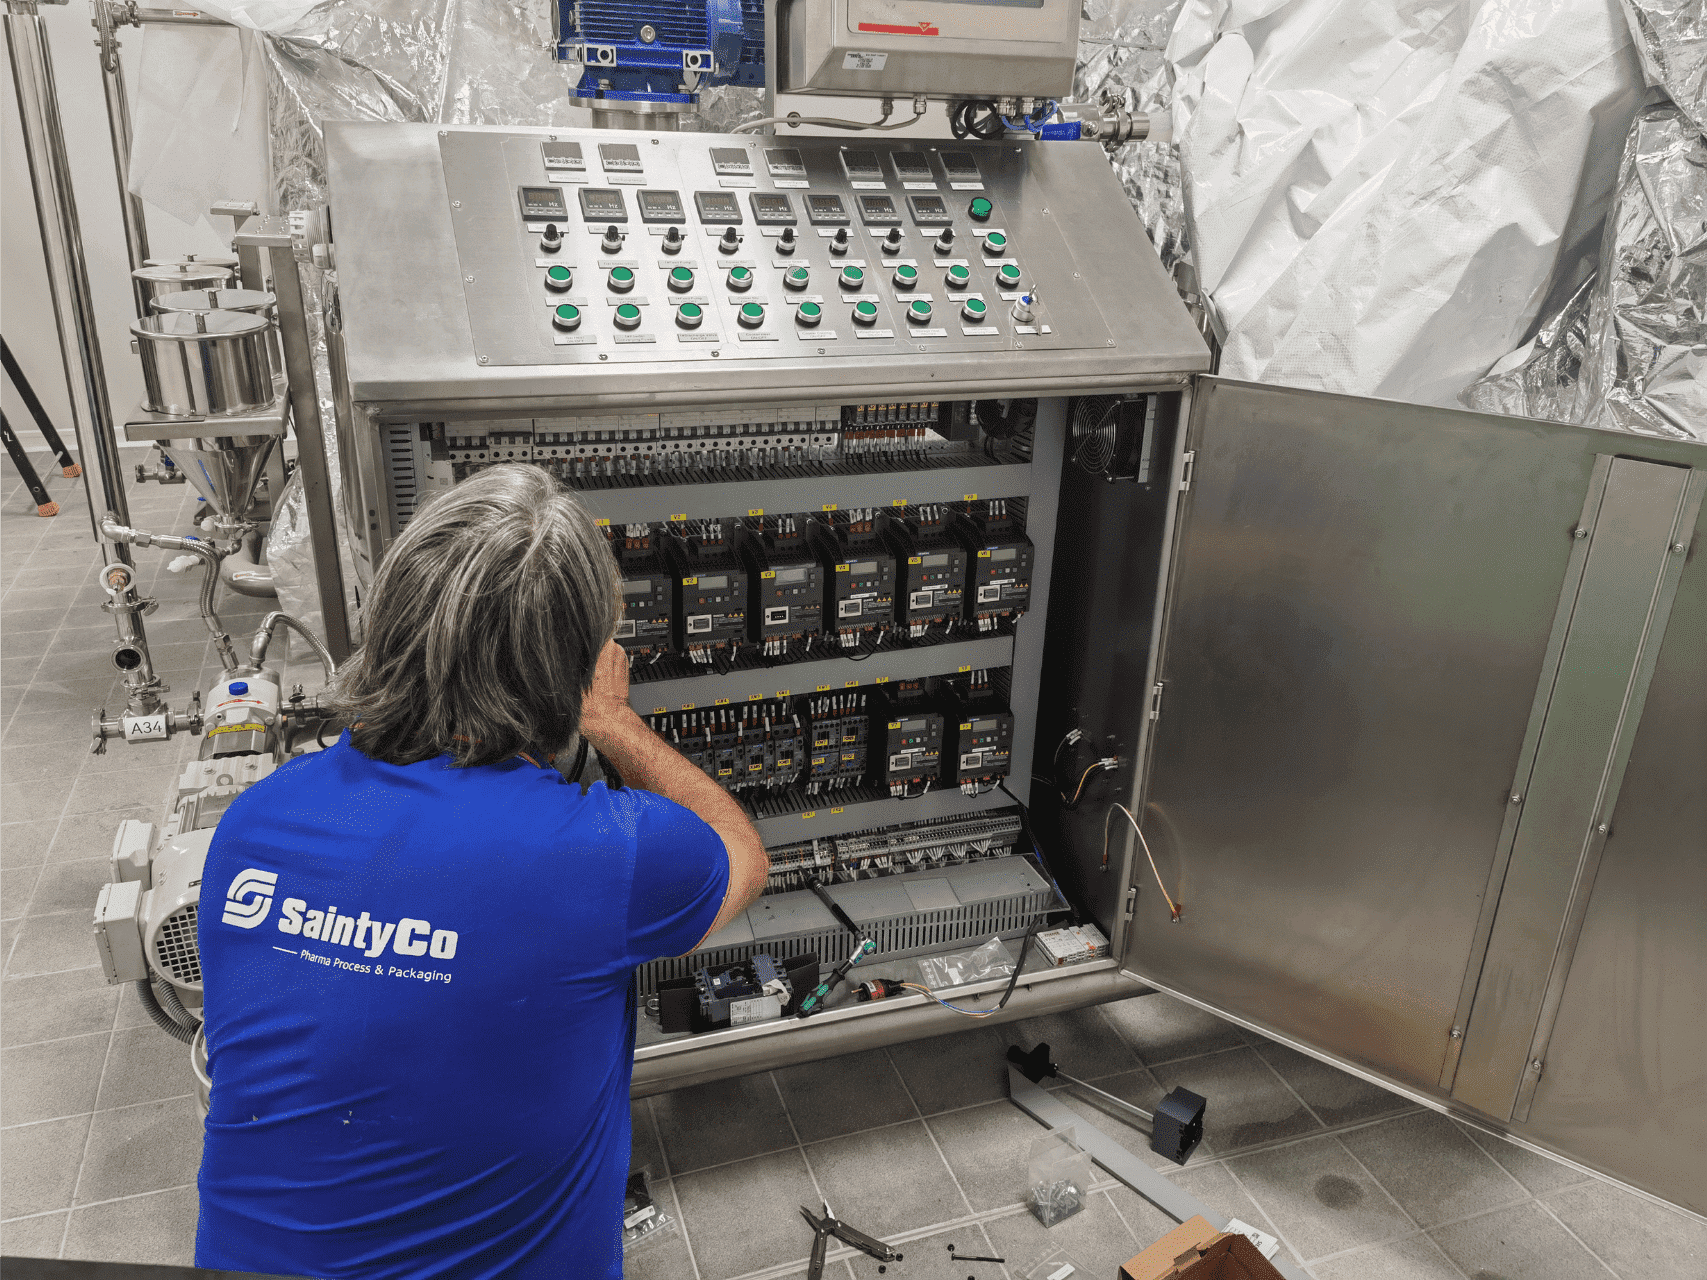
644, 1221
1058, 1175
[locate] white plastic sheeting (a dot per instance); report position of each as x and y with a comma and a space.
1380, 196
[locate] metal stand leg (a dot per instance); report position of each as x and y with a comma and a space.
45, 506
67, 464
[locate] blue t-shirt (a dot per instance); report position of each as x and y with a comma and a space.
420, 1014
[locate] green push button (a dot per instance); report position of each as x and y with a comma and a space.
690, 315
751, 315
621, 279
980, 209
681, 279
627, 316
906, 277
918, 311
865, 313
809, 314
975, 310
1008, 276
740, 279
995, 242
796, 278
558, 279
852, 277
957, 276
566, 316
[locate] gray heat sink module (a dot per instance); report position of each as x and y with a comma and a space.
906, 915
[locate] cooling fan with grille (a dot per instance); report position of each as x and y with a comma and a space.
1114, 436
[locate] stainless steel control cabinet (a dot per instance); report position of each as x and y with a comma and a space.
1411, 702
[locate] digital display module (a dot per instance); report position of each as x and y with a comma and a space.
563, 155
862, 166
731, 160
912, 166
661, 206
544, 202
619, 157
602, 204
929, 210
826, 211
717, 207
878, 211
772, 210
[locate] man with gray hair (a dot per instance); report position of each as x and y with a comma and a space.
421, 1059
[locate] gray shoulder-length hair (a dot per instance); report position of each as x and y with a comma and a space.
484, 625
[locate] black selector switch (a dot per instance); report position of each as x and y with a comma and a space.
839, 244
612, 243
673, 241
550, 240
945, 241
892, 241
730, 241
785, 242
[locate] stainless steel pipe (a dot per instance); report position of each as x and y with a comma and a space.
118, 126
73, 305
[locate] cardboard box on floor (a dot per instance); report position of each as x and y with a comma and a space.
1194, 1250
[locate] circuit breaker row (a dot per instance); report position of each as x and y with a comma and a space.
688, 448
793, 587
900, 739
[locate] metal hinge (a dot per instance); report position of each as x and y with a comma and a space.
1185, 470
1156, 701
1131, 902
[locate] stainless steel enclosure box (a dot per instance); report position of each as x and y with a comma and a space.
893, 48
1411, 702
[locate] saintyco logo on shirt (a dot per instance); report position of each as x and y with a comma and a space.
407, 937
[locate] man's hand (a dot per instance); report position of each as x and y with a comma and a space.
604, 710
646, 761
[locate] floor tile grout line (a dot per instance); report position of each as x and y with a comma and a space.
1370, 1174
798, 1144
1490, 1155
682, 1225
1369, 1246
1483, 1212
96, 1204
929, 1132
1130, 1230
1548, 1210
1268, 1217
31, 1044
89, 1137
1287, 1085
100, 1111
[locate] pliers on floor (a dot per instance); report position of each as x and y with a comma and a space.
827, 1226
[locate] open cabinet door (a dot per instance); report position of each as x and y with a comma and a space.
1428, 769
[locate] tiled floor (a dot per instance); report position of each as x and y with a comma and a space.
99, 1138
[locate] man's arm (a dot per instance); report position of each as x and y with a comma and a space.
646, 761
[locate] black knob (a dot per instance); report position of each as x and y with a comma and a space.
945, 241
892, 241
840, 243
730, 241
551, 240
672, 241
786, 243
612, 242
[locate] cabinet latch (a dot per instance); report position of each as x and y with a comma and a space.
1156, 700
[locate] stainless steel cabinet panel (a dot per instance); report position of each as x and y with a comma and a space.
1361, 608
1626, 1073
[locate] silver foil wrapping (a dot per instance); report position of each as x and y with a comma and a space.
1628, 352
1671, 36
424, 61
1645, 369
1121, 45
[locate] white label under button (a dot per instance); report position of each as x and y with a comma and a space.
874, 333
791, 184
980, 330
861, 297
930, 333
637, 337
966, 186
918, 186
869, 186
574, 339
737, 182
699, 337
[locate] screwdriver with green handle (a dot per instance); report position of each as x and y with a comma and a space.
816, 997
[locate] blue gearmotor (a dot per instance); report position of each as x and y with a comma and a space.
661, 50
